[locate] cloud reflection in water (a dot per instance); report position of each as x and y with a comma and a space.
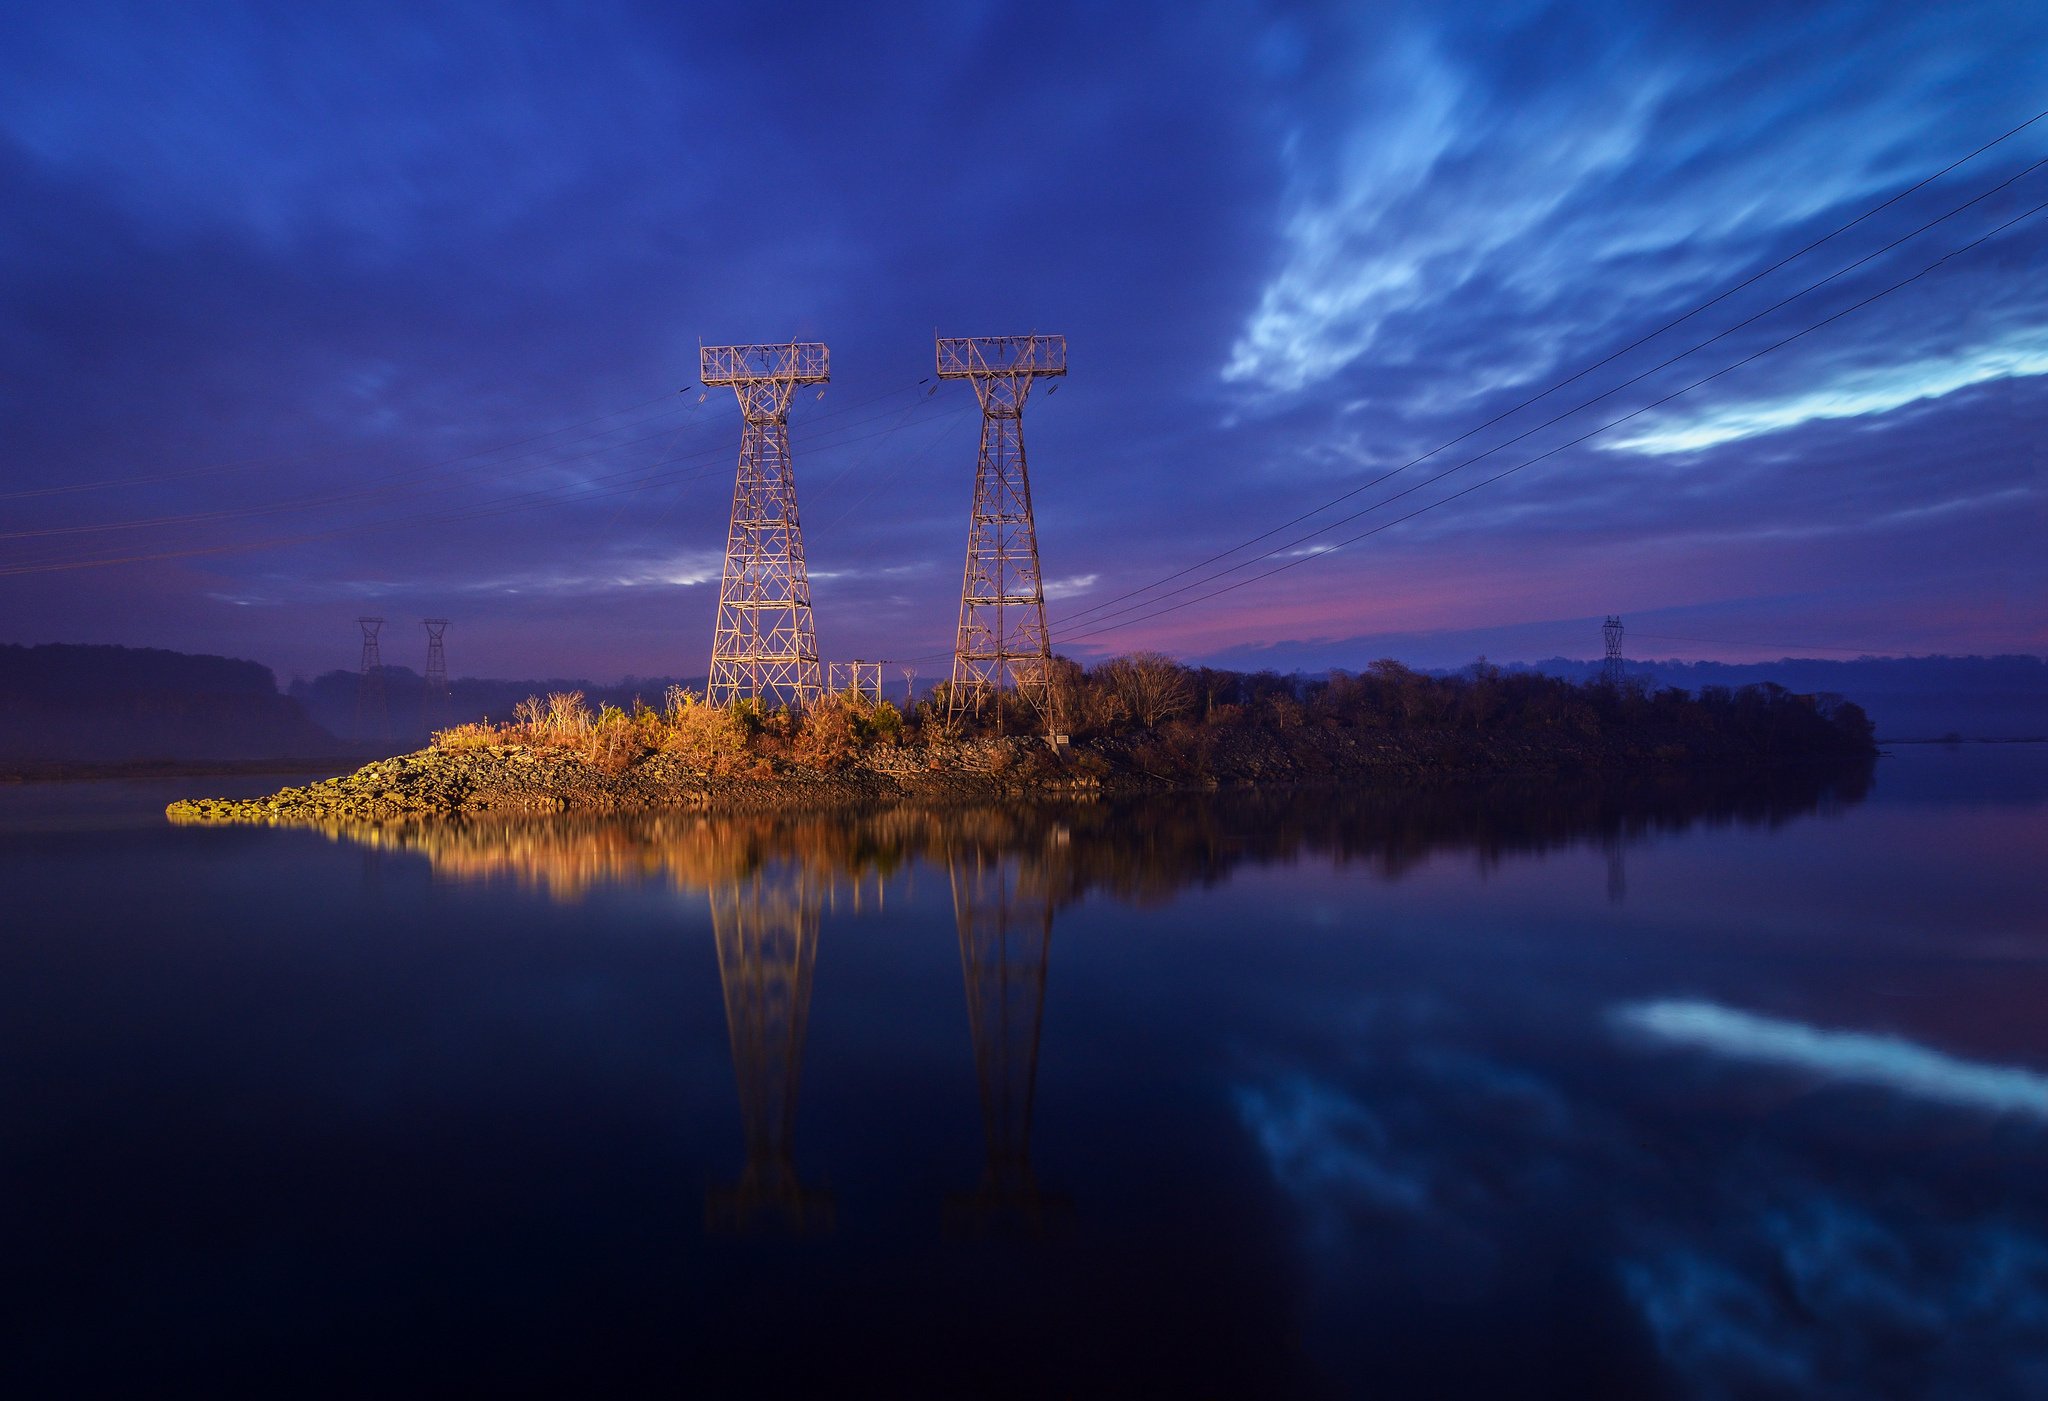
1859, 1057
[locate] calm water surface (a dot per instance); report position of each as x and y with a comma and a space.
1683, 1089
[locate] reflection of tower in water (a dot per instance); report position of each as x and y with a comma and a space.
1003, 908
767, 935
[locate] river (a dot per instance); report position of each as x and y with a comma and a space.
1685, 1088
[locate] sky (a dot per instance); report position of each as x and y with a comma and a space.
317, 311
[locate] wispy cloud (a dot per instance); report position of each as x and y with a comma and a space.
1071, 585
1854, 395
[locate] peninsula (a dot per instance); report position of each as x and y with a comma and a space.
1130, 724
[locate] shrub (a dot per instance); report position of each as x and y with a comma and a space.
612, 740
712, 739
835, 730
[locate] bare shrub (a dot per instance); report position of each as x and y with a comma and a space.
568, 720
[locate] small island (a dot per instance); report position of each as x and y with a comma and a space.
1129, 724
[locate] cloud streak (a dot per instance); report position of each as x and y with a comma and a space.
1886, 1062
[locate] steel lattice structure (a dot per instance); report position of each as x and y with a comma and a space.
373, 714
1003, 638
766, 927
861, 678
1611, 670
1003, 906
434, 697
765, 646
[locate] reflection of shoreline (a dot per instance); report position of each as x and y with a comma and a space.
1142, 849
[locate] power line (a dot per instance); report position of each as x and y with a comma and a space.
1608, 359
1533, 430
484, 510
1530, 462
314, 502
400, 489
247, 464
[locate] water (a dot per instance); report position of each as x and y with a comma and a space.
1682, 1090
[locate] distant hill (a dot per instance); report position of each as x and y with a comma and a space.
2004, 697
64, 703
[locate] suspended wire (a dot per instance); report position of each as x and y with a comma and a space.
666, 454
916, 454
1104, 628
1527, 432
706, 454
311, 455
300, 503
1588, 369
402, 481
861, 459
482, 510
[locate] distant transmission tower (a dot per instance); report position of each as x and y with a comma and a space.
373, 717
764, 646
1003, 637
1611, 672
435, 700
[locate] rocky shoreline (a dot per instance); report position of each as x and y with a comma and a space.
517, 778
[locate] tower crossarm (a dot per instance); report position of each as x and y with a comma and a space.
964, 357
765, 376
1002, 367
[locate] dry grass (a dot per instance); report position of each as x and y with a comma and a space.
720, 741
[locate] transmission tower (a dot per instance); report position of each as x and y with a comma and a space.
765, 646
373, 716
435, 700
1611, 672
1003, 910
767, 935
1003, 637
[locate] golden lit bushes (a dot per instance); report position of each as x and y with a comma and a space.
720, 741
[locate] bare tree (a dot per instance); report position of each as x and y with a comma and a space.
1151, 685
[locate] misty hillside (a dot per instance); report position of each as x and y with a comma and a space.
75, 703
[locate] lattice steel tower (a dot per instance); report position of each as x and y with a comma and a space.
1611, 671
434, 697
373, 715
765, 646
766, 927
1003, 907
1003, 639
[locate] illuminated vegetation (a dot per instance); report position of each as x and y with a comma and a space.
719, 741
1167, 720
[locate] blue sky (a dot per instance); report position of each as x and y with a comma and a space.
315, 311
